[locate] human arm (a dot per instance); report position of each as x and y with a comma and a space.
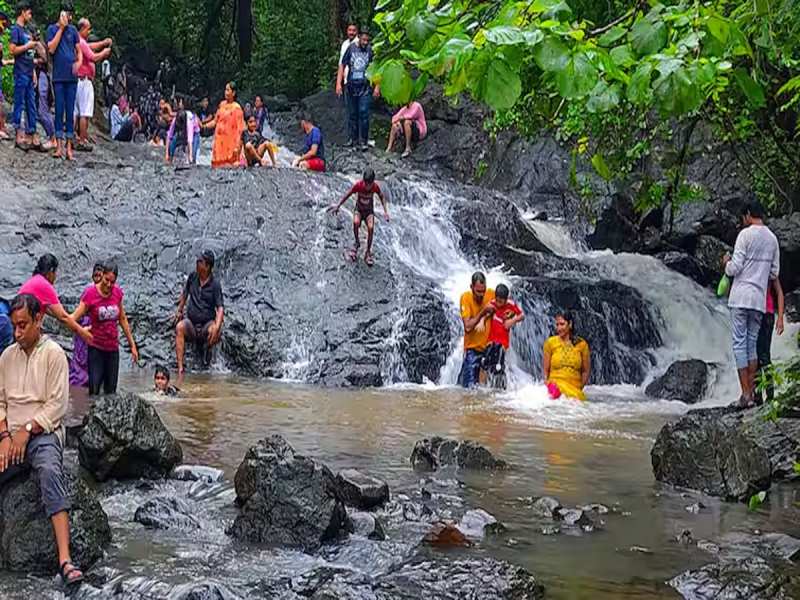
470, 321
76, 66
182, 302
215, 331
79, 312
339, 79
5, 444
102, 45
733, 266
52, 45
15, 43
780, 305
126, 329
100, 56
586, 364
518, 317
548, 355
382, 198
57, 311
335, 207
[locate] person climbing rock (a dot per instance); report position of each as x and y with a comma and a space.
755, 262
257, 150
357, 59
202, 299
476, 309
567, 360
507, 314
313, 157
34, 396
365, 192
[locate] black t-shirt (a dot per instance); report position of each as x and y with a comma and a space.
254, 138
202, 301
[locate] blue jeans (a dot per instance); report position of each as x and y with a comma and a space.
470, 368
24, 97
173, 147
359, 117
65, 92
45, 457
746, 324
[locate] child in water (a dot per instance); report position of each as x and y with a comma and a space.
161, 382
507, 314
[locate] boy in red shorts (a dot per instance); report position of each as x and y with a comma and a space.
507, 314
313, 157
365, 191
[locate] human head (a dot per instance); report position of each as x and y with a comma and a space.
565, 324
181, 104
751, 212
306, 123
181, 124
161, 378
230, 92
84, 27
46, 266
122, 103
258, 101
363, 38
97, 272
501, 294
25, 10
369, 176
251, 123
478, 286
204, 103
352, 31
205, 263
109, 277
68, 6
26, 318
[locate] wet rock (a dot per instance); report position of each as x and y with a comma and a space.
787, 230
286, 498
597, 509
616, 226
124, 438
140, 588
727, 453
203, 590
198, 473
573, 517
476, 524
753, 579
361, 491
685, 265
27, 543
685, 381
708, 253
695, 508
550, 530
640, 550
707, 546
368, 525
414, 511
685, 537
445, 535
431, 454
166, 513
546, 507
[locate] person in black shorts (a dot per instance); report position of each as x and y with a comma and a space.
257, 150
202, 299
365, 191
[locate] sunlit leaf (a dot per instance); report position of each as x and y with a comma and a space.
551, 54
603, 98
600, 165
503, 85
396, 83
611, 36
577, 78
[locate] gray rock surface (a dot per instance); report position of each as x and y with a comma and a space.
432, 453
167, 513
286, 499
685, 381
124, 438
361, 491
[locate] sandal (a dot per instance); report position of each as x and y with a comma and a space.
369, 259
352, 254
66, 570
25, 147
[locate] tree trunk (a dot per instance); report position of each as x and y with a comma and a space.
244, 29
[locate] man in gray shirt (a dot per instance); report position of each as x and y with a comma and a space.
755, 262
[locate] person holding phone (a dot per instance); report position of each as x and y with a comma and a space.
63, 42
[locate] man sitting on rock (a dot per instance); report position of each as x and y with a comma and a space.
203, 322
34, 394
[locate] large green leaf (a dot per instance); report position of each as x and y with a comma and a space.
505, 35
648, 37
503, 85
552, 8
454, 52
677, 93
751, 88
719, 28
623, 56
551, 54
612, 35
639, 90
419, 85
420, 27
577, 78
600, 165
396, 83
603, 98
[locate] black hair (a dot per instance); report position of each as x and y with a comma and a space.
26, 302
68, 6
234, 89
109, 266
306, 117
258, 96
501, 291
478, 277
22, 6
47, 263
569, 318
364, 31
181, 127
251, 116
754, 209
98, 266
369, 176
161, 370
207, 256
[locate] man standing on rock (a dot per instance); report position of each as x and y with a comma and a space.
755, 262
34, 395
352, 38
476, 313
356, 60
93, 52
203, 323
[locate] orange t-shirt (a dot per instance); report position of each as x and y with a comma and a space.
478, 338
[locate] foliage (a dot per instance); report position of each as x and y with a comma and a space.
784, 379
756, 500
6, 78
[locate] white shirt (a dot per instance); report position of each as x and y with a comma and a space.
345, 45
756, 260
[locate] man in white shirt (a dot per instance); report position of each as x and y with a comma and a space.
352, 38
755, 262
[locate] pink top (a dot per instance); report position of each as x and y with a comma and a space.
770, 301
88, 68
104, 317
42, 290
416, 114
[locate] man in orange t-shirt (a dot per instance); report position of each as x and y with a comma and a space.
476, 311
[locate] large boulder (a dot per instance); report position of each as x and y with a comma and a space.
124, 438
749, 578
26, 534
685, 381
286, 498
727, 453
432, 453
787, 231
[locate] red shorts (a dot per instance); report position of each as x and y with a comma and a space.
316, 164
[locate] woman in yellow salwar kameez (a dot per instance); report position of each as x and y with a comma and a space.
228, 125
566, 360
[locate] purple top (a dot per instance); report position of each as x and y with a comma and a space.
192, 128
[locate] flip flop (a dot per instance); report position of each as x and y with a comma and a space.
66, 569
351, 255
369, 259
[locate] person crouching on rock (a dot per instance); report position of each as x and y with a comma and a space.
476, 308
34, 394
202, 299
566, 360
161, 382
313, 157
365, 191
257, 150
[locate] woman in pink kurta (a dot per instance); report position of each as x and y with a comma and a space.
408, 122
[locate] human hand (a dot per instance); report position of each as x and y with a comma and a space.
376, 92
63, 20
135, 354
19, 443
726, 259
338, 89
213, 335
108, 42
5, 449
296, 162
86, 335
509, 323
334, 208
387, 217
779, 325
